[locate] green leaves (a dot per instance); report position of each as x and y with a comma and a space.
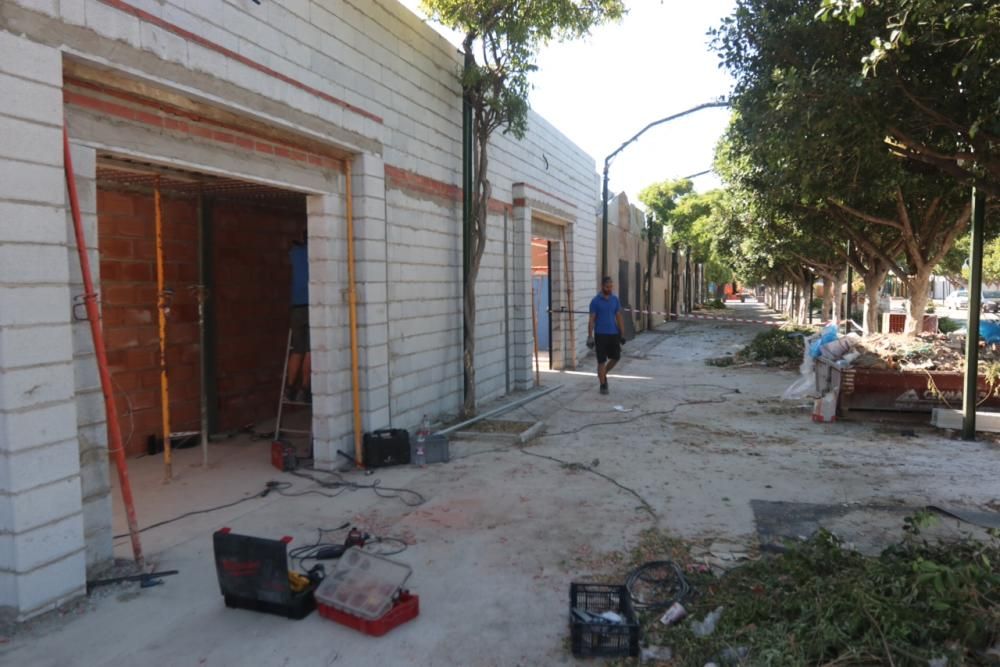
823, 603
502, 38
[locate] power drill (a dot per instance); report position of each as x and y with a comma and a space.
355, 538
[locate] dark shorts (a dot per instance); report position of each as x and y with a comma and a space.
607, 347
300, 329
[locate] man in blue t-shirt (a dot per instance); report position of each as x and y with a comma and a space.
606, 331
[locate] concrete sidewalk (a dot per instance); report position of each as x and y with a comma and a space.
502, 532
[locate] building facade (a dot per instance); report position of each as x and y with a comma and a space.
255, 125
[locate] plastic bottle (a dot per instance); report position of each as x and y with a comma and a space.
420, 456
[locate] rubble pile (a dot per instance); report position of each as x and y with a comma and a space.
926, 352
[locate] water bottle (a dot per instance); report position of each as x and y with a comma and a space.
420, 457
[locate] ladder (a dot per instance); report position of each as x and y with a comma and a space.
283, 400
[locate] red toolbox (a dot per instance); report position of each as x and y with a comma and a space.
406, 608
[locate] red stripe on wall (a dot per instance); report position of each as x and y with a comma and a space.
403, 179
218, 48
197, 129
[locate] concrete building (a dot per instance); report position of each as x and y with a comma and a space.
629, 265
249, 119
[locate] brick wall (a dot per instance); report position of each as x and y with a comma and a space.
126, 227
252, 297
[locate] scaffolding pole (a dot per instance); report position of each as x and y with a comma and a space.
115, 445
163, 307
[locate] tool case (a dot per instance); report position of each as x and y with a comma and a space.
387, 447
253, 574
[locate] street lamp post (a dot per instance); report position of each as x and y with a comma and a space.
607, 166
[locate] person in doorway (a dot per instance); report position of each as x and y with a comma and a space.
298, 387
606, 331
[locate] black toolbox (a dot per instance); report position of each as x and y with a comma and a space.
253, 574
388, 447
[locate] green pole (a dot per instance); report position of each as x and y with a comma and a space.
971, 393
467, 185
604, 222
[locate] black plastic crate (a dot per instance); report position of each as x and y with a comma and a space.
603, 639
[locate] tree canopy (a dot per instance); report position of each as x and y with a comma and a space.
940, 59
808, 142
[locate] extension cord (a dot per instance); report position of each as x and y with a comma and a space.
331, 552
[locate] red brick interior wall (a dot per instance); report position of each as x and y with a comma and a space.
251, 297
127, 243
253, 277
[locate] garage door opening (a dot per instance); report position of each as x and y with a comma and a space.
228, 271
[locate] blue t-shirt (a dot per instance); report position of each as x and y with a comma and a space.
605, 309
299, 255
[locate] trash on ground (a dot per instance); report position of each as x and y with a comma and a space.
706, 627
734, 655
657, 654
674, 614
622, 408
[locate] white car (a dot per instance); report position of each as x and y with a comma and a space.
957, 300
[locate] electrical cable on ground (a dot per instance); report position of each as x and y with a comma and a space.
415, 498
321, 550
195, 512
653, 413
663, 578
408, 497
579, 466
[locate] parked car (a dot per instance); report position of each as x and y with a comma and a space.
957, 300
991, 301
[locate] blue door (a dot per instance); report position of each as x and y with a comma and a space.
541, 286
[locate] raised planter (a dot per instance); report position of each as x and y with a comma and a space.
503, 435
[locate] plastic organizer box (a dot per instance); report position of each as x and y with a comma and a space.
363, 584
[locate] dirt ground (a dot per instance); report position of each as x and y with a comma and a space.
707, 454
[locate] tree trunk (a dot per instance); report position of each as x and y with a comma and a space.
827, 314
918, 286
838, 294
873, 289
479, 215
806, 302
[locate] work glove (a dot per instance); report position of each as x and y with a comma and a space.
621, 340
590, 342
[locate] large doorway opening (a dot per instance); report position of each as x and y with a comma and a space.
227, 256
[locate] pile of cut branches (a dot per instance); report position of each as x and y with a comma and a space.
821, 603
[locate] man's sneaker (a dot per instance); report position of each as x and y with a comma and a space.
604, 389
305, 395
290, 394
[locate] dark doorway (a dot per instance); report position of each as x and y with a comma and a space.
623, 292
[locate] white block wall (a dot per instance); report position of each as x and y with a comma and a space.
365, 76
42, 557
90, 413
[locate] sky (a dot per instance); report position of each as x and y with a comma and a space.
604, 88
